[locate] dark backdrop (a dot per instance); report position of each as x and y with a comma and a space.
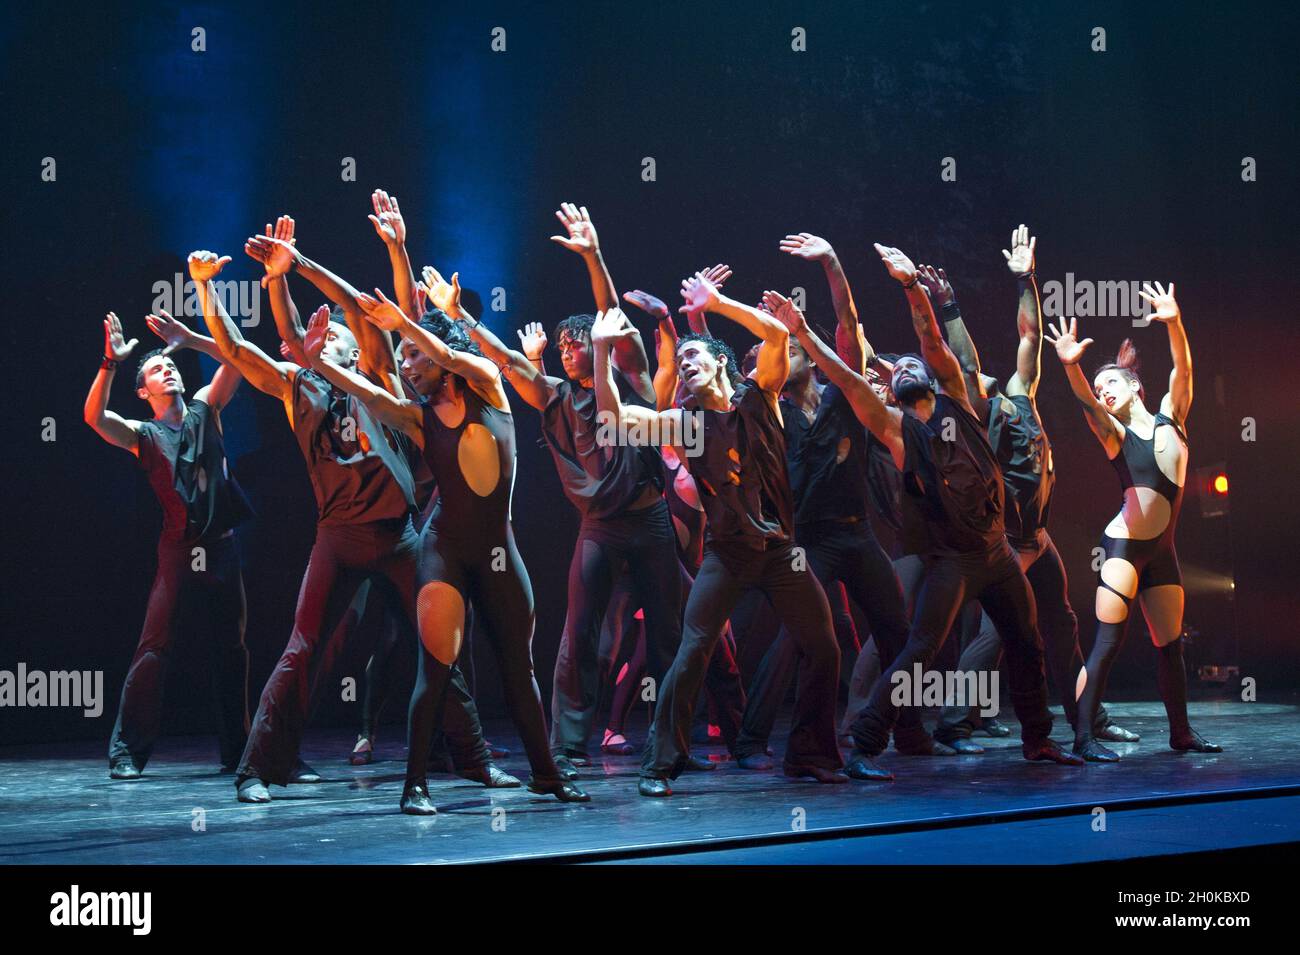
1126, 164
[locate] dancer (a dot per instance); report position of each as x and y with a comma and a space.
182, 453
737, 457
952, 514
468, 554
1150, 454
826, 458
1015, 432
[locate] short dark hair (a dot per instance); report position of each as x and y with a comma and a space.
577, 326
717, 348
139, 369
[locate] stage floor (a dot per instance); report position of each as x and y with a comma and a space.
58, 806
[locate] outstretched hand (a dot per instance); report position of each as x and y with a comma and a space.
532, 340
700, 293
784, 311
610, 326
1020, 260
313, 340
171, 330
380, 311
441, 294
205, 266
805, 245
577, 222
116, 347
1166, 309
935, 281
1066, 341
276, 255
649, 304
897, 264
387, 218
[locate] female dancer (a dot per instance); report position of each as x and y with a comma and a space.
467, 434
1150, 454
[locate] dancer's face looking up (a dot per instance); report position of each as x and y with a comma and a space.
575, 353
1116, 389
340, 346
801, 366
912, 380
419, 370
159, 377
698, 367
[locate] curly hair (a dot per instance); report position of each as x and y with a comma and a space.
717, 348
576, 326
448, 331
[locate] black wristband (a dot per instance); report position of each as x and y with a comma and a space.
109, 364
912, 283
1026, 276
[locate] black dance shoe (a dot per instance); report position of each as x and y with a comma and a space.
491, 776
653, 787
1046, 751
251, 789
416, 801
561, 789
1094, 752
862, 766
616, 744
1194, 742
567, 766
123, 769
304, 774
756, 762
797, 771
991, 727
922, 744
698, 764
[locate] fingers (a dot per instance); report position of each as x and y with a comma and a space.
1006, 255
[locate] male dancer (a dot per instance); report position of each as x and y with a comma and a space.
182, 453
1024, 455
952, 513
826, 457
739, 466
364, 498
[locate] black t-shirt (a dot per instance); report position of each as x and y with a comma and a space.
357, 469
741, 471
826, 459
599, 480
952, 488
884, 483
187, 469
1025, 457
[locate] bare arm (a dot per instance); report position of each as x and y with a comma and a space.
263, 373
1070, 350
391, 226
1178, 402
659, 427
773, 356
113, 428
665, 377
225, 381
277, 263
1029, 316
850, 344
944, 300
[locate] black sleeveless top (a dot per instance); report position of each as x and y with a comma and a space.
474, 467
1137, 466
826, 459
187, 470
952, 490
884, 483
741, 471
356, 471
1025, 457
600, 481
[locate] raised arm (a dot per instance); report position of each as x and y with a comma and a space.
398, 413
1029, 315
225, 381
881, 420
944, 300
1178, 401
665, 377
617, 419
695, 318
934, 349
479, 373
533, 386
773, 356
277, 262
272, 377
850, 344
1069, 349
113, 428
388, 222
532, 342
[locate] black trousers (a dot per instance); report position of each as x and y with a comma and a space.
728, 570
645, 542
997, 582
982, 647
342, 557
213, 596
836, 552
